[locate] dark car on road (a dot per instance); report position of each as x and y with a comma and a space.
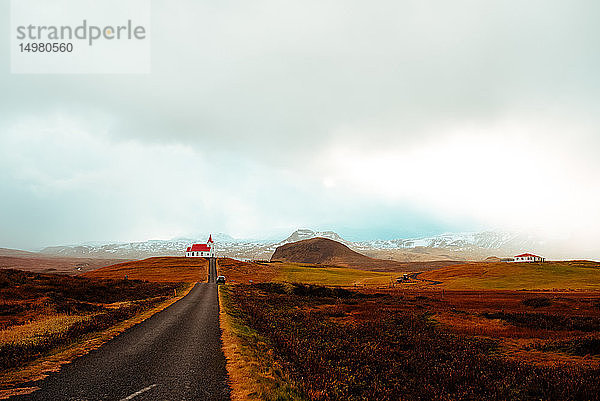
221, 280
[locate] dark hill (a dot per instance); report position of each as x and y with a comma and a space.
324, 251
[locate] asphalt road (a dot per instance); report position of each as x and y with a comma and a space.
212, 270
174, 355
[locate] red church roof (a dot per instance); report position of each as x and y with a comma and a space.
524, 255
199, 248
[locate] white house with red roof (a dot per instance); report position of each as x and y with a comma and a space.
201, 250
528, 257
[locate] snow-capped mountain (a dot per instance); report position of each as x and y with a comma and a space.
304, 233
455, 241
227, 245
455, 246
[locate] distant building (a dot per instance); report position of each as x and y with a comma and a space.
528, 257
201, 250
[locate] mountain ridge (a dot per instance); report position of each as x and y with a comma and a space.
449, 246
325, 251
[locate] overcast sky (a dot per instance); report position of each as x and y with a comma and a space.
383, 119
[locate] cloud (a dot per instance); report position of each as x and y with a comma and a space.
267, 116
518, 175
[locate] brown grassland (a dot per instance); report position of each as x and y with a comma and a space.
49, 264
527, 340
299, 331
573, 274
42, 315
48, 319
242, 272
158, 269
318, 343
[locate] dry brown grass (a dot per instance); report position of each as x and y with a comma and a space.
420, 345
32, 332
49, 319
253, 373
50, 264
464, 313
239, 363
40, 368
237, 271
159, 269
583, 275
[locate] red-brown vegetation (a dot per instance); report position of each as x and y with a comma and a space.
159, 269
552, 275
50, 310
237, 271
429, 345
49, 264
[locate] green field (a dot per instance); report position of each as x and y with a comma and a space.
336, 276
584, 275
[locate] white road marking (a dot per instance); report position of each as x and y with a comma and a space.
132, 396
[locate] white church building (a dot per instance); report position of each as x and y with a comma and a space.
528, 257
201, 250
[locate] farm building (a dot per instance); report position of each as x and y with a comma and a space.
201, 250
528, 257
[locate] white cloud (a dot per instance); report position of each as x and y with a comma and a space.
519, 175
261, 118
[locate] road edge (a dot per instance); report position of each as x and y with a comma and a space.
250, 371
233, 350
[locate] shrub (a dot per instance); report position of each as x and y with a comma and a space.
537, 302
547, 321
390, 352
579, 346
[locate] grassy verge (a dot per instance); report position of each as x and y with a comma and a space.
253, 372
